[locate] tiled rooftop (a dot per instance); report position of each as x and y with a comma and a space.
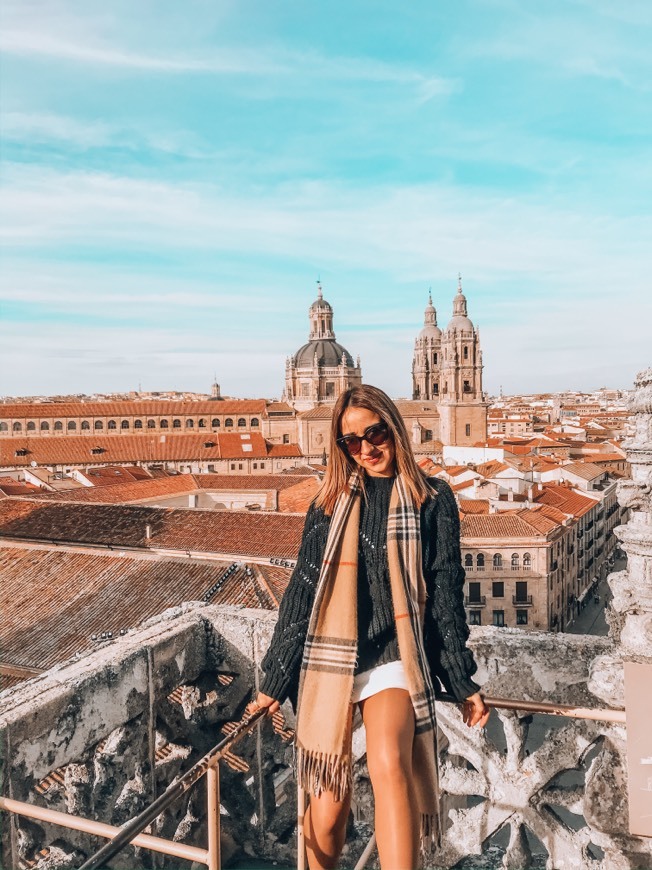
53, 601
566, 499
153, 408
255, 535
510, 524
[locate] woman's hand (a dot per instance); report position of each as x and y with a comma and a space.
261, 702
475, 711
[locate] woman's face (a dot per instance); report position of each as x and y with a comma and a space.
378, 460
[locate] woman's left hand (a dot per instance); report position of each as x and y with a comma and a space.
475, 711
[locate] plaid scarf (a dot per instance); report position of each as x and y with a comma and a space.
323, 737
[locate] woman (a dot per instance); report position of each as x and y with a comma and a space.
373, 615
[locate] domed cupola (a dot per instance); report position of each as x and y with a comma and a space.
322, 368
430, 328
460, 322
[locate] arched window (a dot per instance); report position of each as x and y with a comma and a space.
228, 423
466, 353
468, 562
498, 561
190, 424
31, 426
111, 425
479, 561
176, 424
45, 426
255, 422
4, 427
18, 427
515, 562
435, 389
151, 424
201, 423
466, 387
527, 561
215, 423
138, 424
58, 426
242, 421
71, 425
434, 359
99, 424
164, 424
85, 425
124, 424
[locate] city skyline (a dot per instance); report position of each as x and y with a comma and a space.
175, 182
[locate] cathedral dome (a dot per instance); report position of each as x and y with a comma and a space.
329, 353
430, 328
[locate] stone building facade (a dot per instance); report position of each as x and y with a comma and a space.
322, 368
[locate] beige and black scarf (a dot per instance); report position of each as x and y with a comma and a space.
323, 737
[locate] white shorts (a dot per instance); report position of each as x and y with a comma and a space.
368, 683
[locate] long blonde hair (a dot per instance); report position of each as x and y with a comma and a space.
340, 464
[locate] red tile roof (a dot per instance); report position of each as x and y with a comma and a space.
9, 486
77, 449
105, 475
565, 499
506, 525
254, 535
80, 594
123, 493
474, 506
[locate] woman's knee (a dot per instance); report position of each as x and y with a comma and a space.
328, 817
389, 761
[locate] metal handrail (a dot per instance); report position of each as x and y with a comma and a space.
132, 831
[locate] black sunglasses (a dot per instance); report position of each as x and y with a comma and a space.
374, 435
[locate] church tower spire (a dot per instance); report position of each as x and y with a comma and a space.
427, 356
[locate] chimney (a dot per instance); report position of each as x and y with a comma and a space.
510, 495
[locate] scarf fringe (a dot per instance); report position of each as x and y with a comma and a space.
318, 772
430, 833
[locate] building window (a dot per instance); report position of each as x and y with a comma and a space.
474, 593
233, 466
498, 562
262, 465
99, 424
427, 435
466, 387
71, 425
521, 591
18, 427
515, 562
521, 617
151, 424
330, 389
468, 562
479, 562
164, 424
435, 389
434, 359
5, 428
499, 618
190, 424
85, 425
124, 424
527, 562
138, 424
305, 390
466, 353
255, 466
228, 423
498, 589
475, 617
242, 422
111, 425
176, 424
255, 423
467, 430
201, 423
45, 426
239, 466
31, 426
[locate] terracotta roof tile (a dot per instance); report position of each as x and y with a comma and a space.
474, 506
319, 412
505, 525
585, 470
142, 408
123, 493
565, 498
80, 594
242, 533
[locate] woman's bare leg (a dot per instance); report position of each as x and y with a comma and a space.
325, 828
389, 722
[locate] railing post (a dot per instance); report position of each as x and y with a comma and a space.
301, 834
213, 815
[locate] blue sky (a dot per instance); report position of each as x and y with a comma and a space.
176, 176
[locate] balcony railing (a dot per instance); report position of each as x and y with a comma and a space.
522, 600
476, 601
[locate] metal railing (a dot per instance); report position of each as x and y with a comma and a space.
131, 833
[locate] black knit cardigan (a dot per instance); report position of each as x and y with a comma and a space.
445, 628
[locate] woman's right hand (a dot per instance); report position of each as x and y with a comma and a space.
263, 701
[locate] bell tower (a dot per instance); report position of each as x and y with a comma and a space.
426, 362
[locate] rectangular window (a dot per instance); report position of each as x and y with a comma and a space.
499, 618
233, 466
521, 590
286, 438
521, 617
305, 390
498, 589
475, 617
255, 465
330, 389
474, 593
239, 466
468, 429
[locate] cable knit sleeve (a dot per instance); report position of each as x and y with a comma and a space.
446, 631
282, 662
